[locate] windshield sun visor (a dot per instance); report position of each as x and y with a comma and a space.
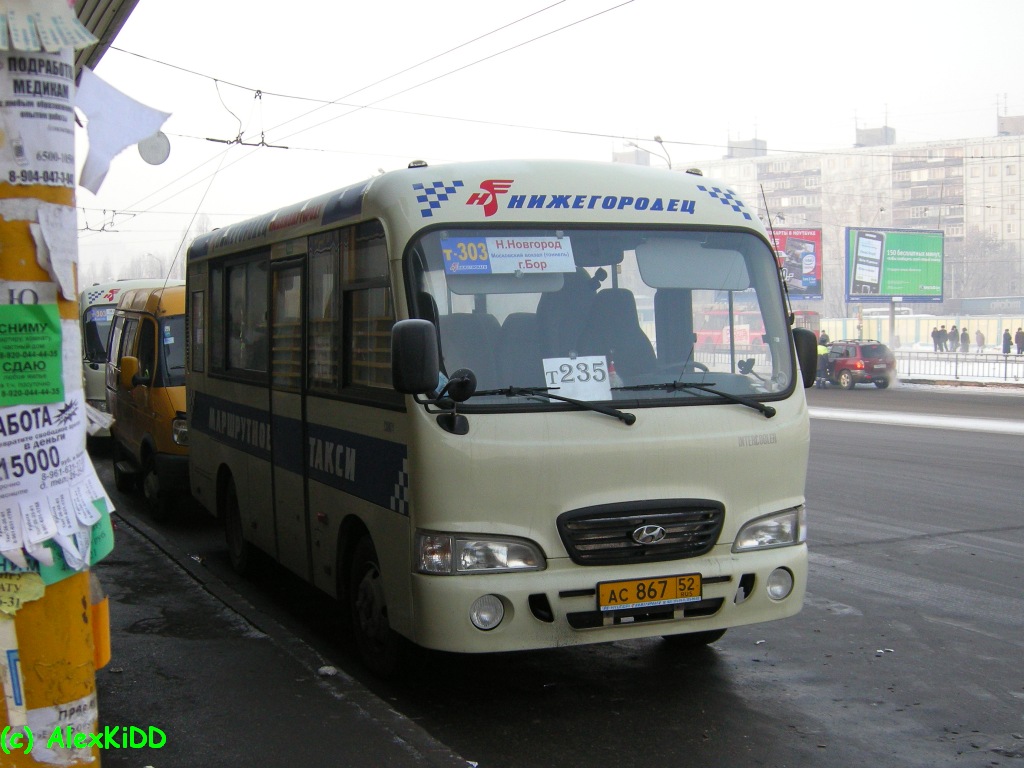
688, 263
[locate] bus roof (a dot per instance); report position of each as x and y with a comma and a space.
159, 300
554, 191
109, 292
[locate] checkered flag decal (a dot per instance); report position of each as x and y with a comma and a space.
726, 197
433, 194
400, 494
91, 296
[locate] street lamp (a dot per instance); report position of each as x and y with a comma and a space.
665, 157
156, 259
665, 150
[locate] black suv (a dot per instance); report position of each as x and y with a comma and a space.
860, 361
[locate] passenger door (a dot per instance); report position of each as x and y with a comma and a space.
287, 417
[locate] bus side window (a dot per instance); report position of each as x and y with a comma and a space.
323, 317
217, 313
247, 298
127, 342
114, 342
368, 308
147, 349
197, 331
371, 314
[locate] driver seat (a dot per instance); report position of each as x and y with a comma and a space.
613, 329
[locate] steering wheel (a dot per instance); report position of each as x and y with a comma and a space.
692, 365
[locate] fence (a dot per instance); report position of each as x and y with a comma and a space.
960, 367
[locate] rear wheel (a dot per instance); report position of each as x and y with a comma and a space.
381, 648
240, 552
881, 383
846, 380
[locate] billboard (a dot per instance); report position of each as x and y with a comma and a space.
799, 253
887, 264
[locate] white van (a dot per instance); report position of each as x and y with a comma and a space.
468, 401
96, 307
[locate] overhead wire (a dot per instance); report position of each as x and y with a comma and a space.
381, 80
373, 104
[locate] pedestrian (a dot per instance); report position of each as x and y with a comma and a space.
1007, 341
943, 338
979, 340
954, 339
935, 338
965, 341
821, 379
1018, 339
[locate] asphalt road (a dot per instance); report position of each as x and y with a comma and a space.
907, 652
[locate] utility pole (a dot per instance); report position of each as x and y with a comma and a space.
54, 515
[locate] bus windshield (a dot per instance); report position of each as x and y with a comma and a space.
96, 328
604, 314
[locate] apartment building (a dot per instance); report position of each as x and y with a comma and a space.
970, 189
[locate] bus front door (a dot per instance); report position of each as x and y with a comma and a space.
286, 368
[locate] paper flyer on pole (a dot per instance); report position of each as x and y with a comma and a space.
54, 512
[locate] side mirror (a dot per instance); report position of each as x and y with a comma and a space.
806, 354
415, 363
129, 372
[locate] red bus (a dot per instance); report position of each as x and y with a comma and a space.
747, 326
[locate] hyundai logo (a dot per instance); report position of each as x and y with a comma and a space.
648, 534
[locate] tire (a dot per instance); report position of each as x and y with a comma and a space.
160, 506
694, 639
381, 649
125, 482
846, 380
882, 383
241, 553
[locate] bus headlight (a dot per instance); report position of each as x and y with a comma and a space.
179, 432
440, 553
782, 529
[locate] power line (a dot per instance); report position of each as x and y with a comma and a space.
405, 90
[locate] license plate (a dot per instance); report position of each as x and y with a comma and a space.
647, 593
880, 365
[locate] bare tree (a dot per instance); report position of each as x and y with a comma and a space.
981, 265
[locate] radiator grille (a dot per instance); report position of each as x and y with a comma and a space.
603, 535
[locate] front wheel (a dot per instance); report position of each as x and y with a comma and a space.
160, 505
380, 647
846, 380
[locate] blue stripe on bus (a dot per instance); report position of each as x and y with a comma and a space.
239, 426
367, 467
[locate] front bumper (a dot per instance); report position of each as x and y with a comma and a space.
558, 606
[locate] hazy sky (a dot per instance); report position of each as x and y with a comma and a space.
353, 87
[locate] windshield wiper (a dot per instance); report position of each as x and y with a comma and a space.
709, 387
626, 418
